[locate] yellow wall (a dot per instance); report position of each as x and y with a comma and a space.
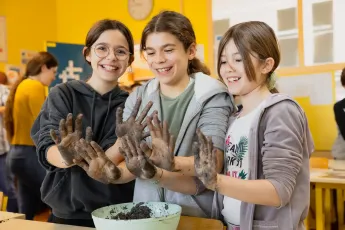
85, 13
29, 24
321, 123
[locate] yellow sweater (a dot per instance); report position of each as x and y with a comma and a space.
28, 100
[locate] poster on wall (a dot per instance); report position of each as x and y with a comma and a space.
13, 72
26, 55
72, 65
3, 42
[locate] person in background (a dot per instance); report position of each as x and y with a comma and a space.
6, 177
338, 149
22, 107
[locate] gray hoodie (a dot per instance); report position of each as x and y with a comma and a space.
209, 110
280, 145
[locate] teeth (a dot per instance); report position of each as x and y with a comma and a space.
233, 79
163, 70
109, 67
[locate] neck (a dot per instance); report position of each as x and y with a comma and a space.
100, 86
37, 78
174, 90
252, 99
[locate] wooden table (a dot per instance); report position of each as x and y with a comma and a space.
325, 180
9, 215
186, 223
194, 223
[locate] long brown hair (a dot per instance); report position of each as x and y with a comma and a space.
179, 26
252, 37
33, 68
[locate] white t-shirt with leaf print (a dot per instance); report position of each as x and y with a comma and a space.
237, 162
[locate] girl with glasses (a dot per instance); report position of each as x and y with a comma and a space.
67, 189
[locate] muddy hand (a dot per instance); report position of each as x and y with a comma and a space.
95, 163
205, 159
136, 161
162, 153
69, 137
133, 127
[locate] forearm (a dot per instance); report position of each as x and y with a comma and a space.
126, 175
260, 192
175, 182
113, 153
185, 165
54, 158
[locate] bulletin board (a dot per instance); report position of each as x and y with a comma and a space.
72, 64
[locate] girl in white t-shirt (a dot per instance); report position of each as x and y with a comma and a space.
268, 144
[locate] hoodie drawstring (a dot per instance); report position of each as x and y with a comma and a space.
93, 108
106, 116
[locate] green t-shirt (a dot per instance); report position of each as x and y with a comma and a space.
174, 109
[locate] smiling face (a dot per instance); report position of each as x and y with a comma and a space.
167, 58
232, 71
109, 56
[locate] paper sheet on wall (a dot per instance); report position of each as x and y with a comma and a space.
318, 87
3, 42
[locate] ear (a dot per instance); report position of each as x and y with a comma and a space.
44, 68
191, 51
267, 66
87, 56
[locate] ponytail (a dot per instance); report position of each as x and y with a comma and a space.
196, 65
272, 82
8, 114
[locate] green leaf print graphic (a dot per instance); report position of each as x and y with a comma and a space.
242, 175
242, 149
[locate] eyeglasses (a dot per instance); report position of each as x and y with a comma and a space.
103, 51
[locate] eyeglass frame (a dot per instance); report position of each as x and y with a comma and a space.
114, 51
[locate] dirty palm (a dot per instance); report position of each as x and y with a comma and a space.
139, 157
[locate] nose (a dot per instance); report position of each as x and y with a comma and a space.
111, 55
229, 67
160, 58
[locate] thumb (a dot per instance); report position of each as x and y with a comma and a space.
146, 149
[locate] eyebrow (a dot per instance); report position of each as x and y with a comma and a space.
237, 53
164, 46
118, 46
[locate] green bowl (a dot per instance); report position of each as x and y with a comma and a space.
163, 216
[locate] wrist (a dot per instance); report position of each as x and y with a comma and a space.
158, 176
215, 185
